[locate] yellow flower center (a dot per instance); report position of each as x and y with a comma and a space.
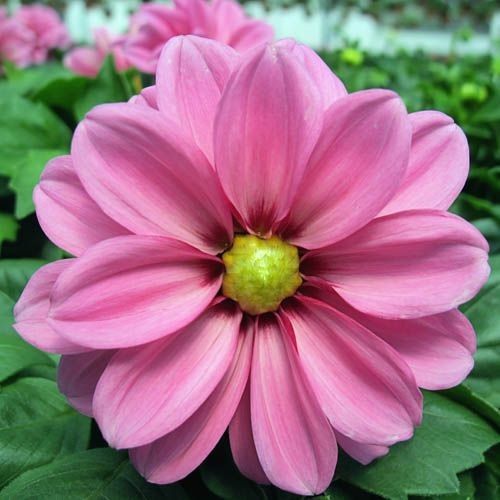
260, 273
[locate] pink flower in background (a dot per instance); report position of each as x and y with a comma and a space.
30, 34
87, 61
259, 251
223, 20
14, 40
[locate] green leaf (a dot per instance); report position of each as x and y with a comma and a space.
8, 228
486, 484
222, 478
491, 231
100, 473
484, 314
15, 273
15, 353
464, 395
450, 440
108, 86
26, 176
339, 490
28, 81
466, 492
36, 427
62, 92
26, 126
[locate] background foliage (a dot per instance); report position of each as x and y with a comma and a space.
49, 451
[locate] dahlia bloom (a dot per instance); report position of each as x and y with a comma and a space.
259, 251
14, 40
223, 20
87, 61
27, 37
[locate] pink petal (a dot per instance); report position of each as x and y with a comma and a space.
67, 214
362, 452
148, 391
294, 441
192, 73
438, 167
355, 169
268, 121
405, 265
249, 34
77, 377
437, 348
242, 442
32, 309
85, 61
150, 28
143, 173
147, 97
175, 455
364, 387
131, 290
330, 87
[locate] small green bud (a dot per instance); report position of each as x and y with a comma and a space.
352, 56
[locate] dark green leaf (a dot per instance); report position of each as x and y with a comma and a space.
36, 427
8, 228
222, 478
484, 314
28, 81
15, 273
339, 490
15, 354
466, 492
24, 126
487, 485
109, 86
26, 175
450, 440
464, 395
100, 473
62, 92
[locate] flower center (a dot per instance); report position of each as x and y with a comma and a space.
260, 273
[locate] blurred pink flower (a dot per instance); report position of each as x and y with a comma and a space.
265, 143
27, 37
87, 61
223, 20
14, 40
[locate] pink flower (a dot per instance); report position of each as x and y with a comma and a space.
87, 61
27, 37
270, 146
14, 40
223, 20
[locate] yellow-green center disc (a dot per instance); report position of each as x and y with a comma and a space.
260, 273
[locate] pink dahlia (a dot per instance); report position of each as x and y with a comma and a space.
14, 40
223, 20
259, 251
87, 61
30, 34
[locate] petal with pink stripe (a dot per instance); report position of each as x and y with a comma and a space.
364, 387
131, 290
177, 454
268, 121
438, 166
295, 443
148, 391
405, 265
144, 173
32, 309
66, 212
